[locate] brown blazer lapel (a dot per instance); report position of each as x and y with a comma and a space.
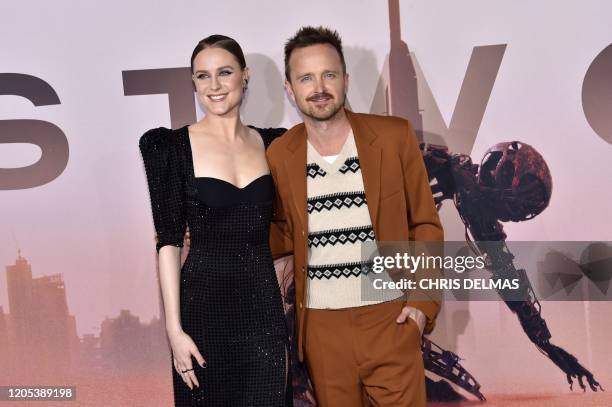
295, 163
370, 156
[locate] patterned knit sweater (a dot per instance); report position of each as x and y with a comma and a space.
338, 223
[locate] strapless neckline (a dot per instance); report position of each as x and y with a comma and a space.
217, 192
264, 176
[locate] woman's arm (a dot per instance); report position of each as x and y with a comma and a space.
169, 263
162, 159
183, 347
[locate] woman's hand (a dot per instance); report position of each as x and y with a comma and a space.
183, 348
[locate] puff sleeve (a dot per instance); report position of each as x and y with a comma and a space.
270, 134
162, 162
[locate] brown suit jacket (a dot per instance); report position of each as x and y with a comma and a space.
396, 186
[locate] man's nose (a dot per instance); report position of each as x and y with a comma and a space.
319, 85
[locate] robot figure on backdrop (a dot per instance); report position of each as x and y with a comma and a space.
513, 183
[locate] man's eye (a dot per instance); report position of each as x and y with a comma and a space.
330, 75
305, 78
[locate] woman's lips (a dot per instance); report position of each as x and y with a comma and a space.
217, 98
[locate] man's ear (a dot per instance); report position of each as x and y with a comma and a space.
346, 82
289, 90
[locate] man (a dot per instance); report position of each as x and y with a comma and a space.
344, 179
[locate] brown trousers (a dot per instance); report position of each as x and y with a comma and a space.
361, 357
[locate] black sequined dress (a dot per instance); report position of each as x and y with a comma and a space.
229, 295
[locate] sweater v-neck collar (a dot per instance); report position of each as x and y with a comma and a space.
348, 148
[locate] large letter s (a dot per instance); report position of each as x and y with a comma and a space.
50, 138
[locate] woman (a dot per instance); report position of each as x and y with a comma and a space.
224, 315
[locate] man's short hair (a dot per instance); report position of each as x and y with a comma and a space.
307, 36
